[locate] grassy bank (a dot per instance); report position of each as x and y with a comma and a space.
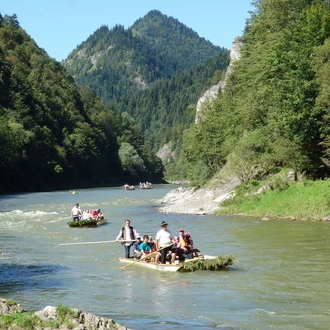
302, 200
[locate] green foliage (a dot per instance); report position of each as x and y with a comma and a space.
20, 321
29, 321
274, 111
130, 159
52, 134
216, 264
82, 223
176, 42
10, 302
63, 312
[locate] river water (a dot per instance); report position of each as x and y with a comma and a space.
281, 280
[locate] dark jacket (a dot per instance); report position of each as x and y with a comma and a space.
123, 233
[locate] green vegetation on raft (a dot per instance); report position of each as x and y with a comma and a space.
83, 223
298, 200
219, 263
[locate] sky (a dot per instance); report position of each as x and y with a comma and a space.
60, 26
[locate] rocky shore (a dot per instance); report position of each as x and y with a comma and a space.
205, 200
50, 319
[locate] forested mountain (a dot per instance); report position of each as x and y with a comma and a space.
54, 135
118, 62
156, 71
273, 114
180, 47
275, 110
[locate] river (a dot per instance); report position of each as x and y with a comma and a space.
281, 279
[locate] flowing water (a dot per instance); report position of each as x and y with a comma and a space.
282, 279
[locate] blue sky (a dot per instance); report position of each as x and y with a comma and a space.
60, 26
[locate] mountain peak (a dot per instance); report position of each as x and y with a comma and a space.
157, 25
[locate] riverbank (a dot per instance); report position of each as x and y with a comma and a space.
201, 201
14, 317
280, 197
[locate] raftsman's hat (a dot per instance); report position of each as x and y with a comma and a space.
164, 224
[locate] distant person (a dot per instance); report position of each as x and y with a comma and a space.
76, 212
100, 215
127, 234
163, 241
86, 215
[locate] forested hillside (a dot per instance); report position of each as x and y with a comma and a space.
156, 71
274, 112
54, 135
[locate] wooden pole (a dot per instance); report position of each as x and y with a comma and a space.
141, 259
99, 242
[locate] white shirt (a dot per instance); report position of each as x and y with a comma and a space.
76, 211
127, 235
164, 238
86, 216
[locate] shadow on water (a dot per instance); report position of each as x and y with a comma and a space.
30, 277
14, 196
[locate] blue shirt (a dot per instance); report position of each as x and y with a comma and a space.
136, 246
146, 247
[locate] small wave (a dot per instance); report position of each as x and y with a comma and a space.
261, 310
26, 214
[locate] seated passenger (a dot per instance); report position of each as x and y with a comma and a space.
94, 214
153, 245
190, 245
145, 247
177, 252
86, 215
184, 244
136, 248
100, 215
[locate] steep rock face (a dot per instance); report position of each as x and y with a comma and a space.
212, 93
165, 152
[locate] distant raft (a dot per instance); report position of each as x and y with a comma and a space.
203, 262
129, 187
73, 192
87, 223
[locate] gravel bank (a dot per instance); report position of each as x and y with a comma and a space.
204, 200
